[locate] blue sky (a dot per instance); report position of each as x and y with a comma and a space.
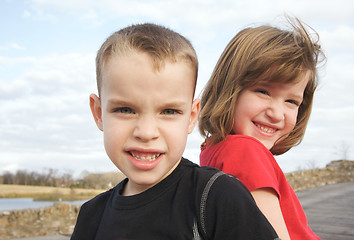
47, 52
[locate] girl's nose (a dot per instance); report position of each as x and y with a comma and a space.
146, 129
275, 112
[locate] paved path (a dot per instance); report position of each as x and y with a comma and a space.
329, 209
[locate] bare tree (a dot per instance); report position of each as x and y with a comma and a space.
342, 150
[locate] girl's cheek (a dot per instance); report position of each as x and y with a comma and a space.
292, 122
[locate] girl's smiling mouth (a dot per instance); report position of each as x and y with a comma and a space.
264, 128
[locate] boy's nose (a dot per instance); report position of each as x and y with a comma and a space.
146, 129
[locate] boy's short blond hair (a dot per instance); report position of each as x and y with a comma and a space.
260, 55
161, 43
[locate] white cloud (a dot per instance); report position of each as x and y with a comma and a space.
202, 15
45, 109
11, 46
45, 119
338, 40
16, 46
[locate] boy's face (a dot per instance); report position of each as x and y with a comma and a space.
146, 116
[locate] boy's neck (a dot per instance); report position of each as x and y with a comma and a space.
134, 189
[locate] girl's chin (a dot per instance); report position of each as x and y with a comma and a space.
267, 144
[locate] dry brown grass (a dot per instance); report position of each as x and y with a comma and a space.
17, 191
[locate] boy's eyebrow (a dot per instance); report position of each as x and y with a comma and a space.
170, 103
115, 101
176, 103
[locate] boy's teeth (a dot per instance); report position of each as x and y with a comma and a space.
145, 157
265, 129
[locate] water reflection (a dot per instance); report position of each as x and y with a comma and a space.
7, 204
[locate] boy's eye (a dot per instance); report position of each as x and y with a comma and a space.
124, 110
170, 111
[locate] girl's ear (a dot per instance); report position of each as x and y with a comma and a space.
194, 115
96, 109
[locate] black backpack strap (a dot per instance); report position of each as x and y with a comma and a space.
204, 199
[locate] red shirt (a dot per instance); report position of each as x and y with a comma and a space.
254, 165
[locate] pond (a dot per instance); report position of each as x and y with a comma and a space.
7, 204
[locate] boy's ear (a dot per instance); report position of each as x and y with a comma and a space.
194, 115
96, 109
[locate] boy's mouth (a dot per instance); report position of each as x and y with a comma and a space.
265, 129
144, 156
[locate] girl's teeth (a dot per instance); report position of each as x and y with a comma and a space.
265, 129
146, 157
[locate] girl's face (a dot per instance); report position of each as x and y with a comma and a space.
268, 112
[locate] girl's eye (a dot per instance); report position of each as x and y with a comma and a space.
170, 111
262, 91
296, 103
124, 110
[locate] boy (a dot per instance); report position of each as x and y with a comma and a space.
146, 77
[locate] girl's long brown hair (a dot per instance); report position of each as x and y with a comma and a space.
260, 55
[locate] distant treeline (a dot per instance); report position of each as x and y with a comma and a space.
53, 178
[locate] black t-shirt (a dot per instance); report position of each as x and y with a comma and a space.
171, 210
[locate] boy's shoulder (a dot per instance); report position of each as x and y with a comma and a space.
223, 202
199, 175
99, 200
204, 195
90, 215
204, 175
200, 171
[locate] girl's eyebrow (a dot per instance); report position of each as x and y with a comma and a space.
262, 84
296, 96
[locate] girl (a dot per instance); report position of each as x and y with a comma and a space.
257, 104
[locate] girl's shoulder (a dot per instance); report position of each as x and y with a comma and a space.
237, 148
242, 141
239, 145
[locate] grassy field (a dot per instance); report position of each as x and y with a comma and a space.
47, 193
